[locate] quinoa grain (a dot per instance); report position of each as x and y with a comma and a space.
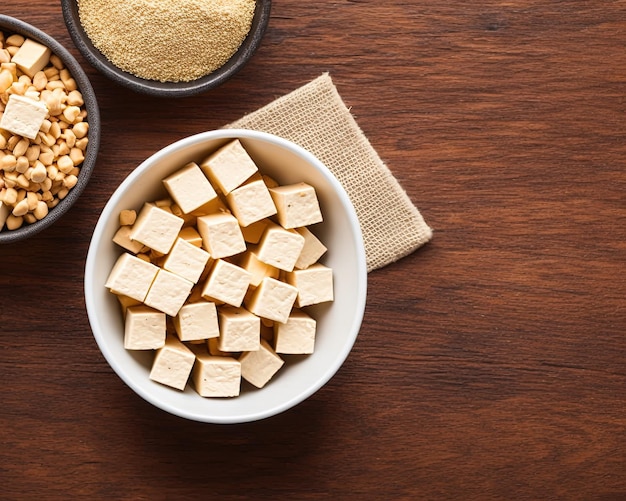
167, 40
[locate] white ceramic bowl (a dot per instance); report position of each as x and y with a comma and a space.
338, 322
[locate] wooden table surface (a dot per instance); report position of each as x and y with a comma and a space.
491, 363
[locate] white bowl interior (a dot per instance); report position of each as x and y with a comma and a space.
338, 322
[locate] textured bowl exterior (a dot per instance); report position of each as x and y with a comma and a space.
338, 322
167, 89
13, 25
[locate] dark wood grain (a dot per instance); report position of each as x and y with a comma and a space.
491, 363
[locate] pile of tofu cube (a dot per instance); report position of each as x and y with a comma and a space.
216, 277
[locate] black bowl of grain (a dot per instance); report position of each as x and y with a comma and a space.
49, 130
167, 48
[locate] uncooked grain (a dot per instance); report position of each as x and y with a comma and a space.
167, 40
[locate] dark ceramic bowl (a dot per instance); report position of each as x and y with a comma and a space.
167, 89
9, 25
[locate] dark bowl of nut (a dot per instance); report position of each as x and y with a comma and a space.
173, 49
49, 130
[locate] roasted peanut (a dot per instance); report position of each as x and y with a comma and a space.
20, 208
75, 98
10, 196
127, 217
21, 147
41, 210
22, 164
39, 174
8, 163
14, 222
77, 156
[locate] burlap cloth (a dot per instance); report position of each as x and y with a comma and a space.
316, 118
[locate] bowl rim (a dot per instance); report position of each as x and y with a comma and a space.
167, 89
14, 25
107, 212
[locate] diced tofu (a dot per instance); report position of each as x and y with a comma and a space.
131, 276
122, 238
196, 321
267, 331
251, 202
126, 302
258, 269
144, 328
221, 235
314, 284
226, 283
253, 232
280, 247
297, 205
215, 205
214, 350
240, 330
168, 292
186, 260
258, 367
190, 188
216, 376
156, 227
31, 57
229, 166
191, 235
313, 249
172, 364
296, 336
23, 116
272, 299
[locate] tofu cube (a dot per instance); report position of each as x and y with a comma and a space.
296, 336
221, 235
157, 228
226, 283
189, 188
122, 238
23, 116
144, 328
126, 302
31, 57
314, 284
312, 251
258, 269
168, 292
229, 166
197, 321
191, 235
131, 276
296, 205
215, 205
258, 367
216, 376
186, 260
214, 350
240, 330
253, 232
172, 364
273, 300
279, 247
251, 202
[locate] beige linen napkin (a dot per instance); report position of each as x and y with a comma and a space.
316, 118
